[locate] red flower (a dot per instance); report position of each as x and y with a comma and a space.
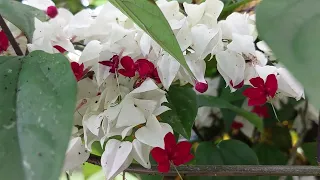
173, 153
52, 11
238, 86
261, 111
261, 91
78, 70
4, 42
201, 87
236, 125
60, 49
129, 67
113, 63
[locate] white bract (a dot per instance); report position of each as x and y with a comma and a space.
119, 101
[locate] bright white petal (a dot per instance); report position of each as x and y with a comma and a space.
91, 52
130, 115
76, 154
289, 85
153, 133
116, 157
141, 152
242, 44
168, 68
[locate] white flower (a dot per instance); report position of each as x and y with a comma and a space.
141, 152
91, 53
205, 13
266, 49
116, 157
153, 133
288, 85
237, 23
231, 66
39, 4
76, 154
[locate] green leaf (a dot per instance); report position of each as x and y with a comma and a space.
212, 101
281, 137
90, 169
36, 110
148, 16
183, 104
231, 6
229, 152
269, 154
21, 15
290, 28
310, 151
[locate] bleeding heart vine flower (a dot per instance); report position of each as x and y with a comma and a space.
78, 70
261, 91
236, 125
172, 153
4, 42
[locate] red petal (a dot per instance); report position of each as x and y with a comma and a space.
261, 111
106, 63
183, 160
238, 86
183, 148
159, 155
254, 93
77, 70
271, 85
257, 101
170, 143
257, 82
164, 167
127, 73
127, 63
145, 68
236, 125
4, 42
60, 49
52, 11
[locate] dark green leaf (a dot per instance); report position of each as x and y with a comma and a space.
280, 137
147, 15
183, 104
269, 155
212, 101
290, 28
230, 152
310, 151
39, 94
231, 6
21, 15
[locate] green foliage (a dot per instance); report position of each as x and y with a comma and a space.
310, 151
147, 15
230, 6
290, 28
229, 152
212, 101
39, 94
183, 105
21, 15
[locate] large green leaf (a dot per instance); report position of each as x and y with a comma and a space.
38, 99
183, 104
148, 16
204, 100
230, 152
269, 155
310, 151
21, 15
290, 28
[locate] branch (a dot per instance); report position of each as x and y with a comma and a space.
11, 39
223, 170
318, 141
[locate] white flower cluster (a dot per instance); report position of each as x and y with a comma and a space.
124, 96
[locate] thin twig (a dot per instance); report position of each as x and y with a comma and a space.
302, 134
67, 176
10, 37
224, 170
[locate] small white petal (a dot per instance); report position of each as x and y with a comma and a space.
141, 152
91, 53
168, 68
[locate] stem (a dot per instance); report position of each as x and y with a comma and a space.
223, 170
318, 142
176, 170
10, 37
274, 111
